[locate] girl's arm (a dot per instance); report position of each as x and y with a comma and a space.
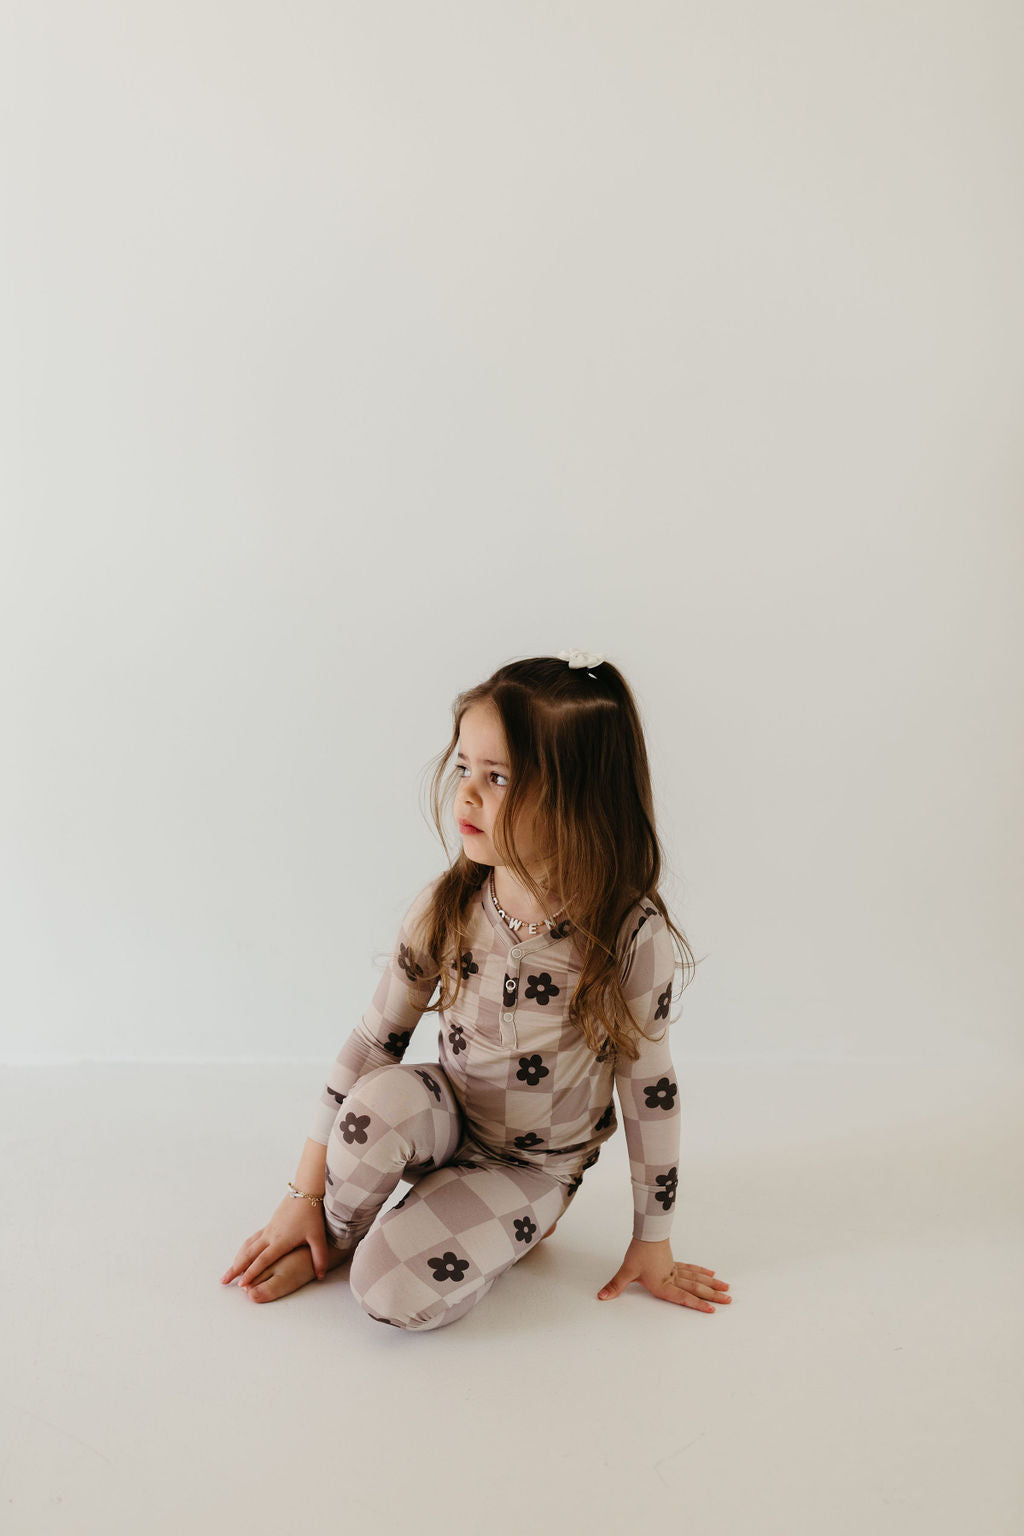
648, 1088
309, 1176
382, 1035
648, 1093
380, 1038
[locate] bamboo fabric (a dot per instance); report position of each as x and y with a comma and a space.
531, 1092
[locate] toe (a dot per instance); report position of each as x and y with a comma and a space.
262, 1289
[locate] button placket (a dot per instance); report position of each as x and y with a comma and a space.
507, 1025
507, 1017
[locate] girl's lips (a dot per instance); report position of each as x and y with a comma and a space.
467, 826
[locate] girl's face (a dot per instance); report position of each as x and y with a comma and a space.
484, 766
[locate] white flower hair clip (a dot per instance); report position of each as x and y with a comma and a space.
580, 658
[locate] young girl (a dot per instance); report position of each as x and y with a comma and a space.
554, 956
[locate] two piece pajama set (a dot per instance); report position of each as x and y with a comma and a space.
495, 1136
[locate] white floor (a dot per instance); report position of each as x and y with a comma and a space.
866, 1378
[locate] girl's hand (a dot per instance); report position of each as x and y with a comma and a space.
652, 1264
293, 1223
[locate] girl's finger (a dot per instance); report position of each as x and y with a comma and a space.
699, 1294
683, 1299
678, 1277
259, 1263
242, 1257
265, 1288
684, 1284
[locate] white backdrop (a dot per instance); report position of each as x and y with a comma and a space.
350, 351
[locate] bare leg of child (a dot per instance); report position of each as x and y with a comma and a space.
289, 1272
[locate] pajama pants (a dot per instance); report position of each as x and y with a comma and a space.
467, 1219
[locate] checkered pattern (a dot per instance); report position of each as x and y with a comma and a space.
435, 1255
399, 1117
531, 1092
467, 1219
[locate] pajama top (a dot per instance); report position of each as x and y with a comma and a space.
531, 1090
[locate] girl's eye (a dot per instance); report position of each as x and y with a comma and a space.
462, 769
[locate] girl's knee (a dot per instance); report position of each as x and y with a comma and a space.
394, 1078
395, 1091
389, 1290
393, 1303
381, 1101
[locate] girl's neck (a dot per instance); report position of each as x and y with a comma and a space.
517, 900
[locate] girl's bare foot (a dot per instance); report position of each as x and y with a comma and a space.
290, 1272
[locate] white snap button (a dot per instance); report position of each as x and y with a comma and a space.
517, 953
507, 1018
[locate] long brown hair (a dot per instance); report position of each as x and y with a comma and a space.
574, 736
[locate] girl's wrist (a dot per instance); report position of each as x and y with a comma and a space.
313, 1197
309, 1175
